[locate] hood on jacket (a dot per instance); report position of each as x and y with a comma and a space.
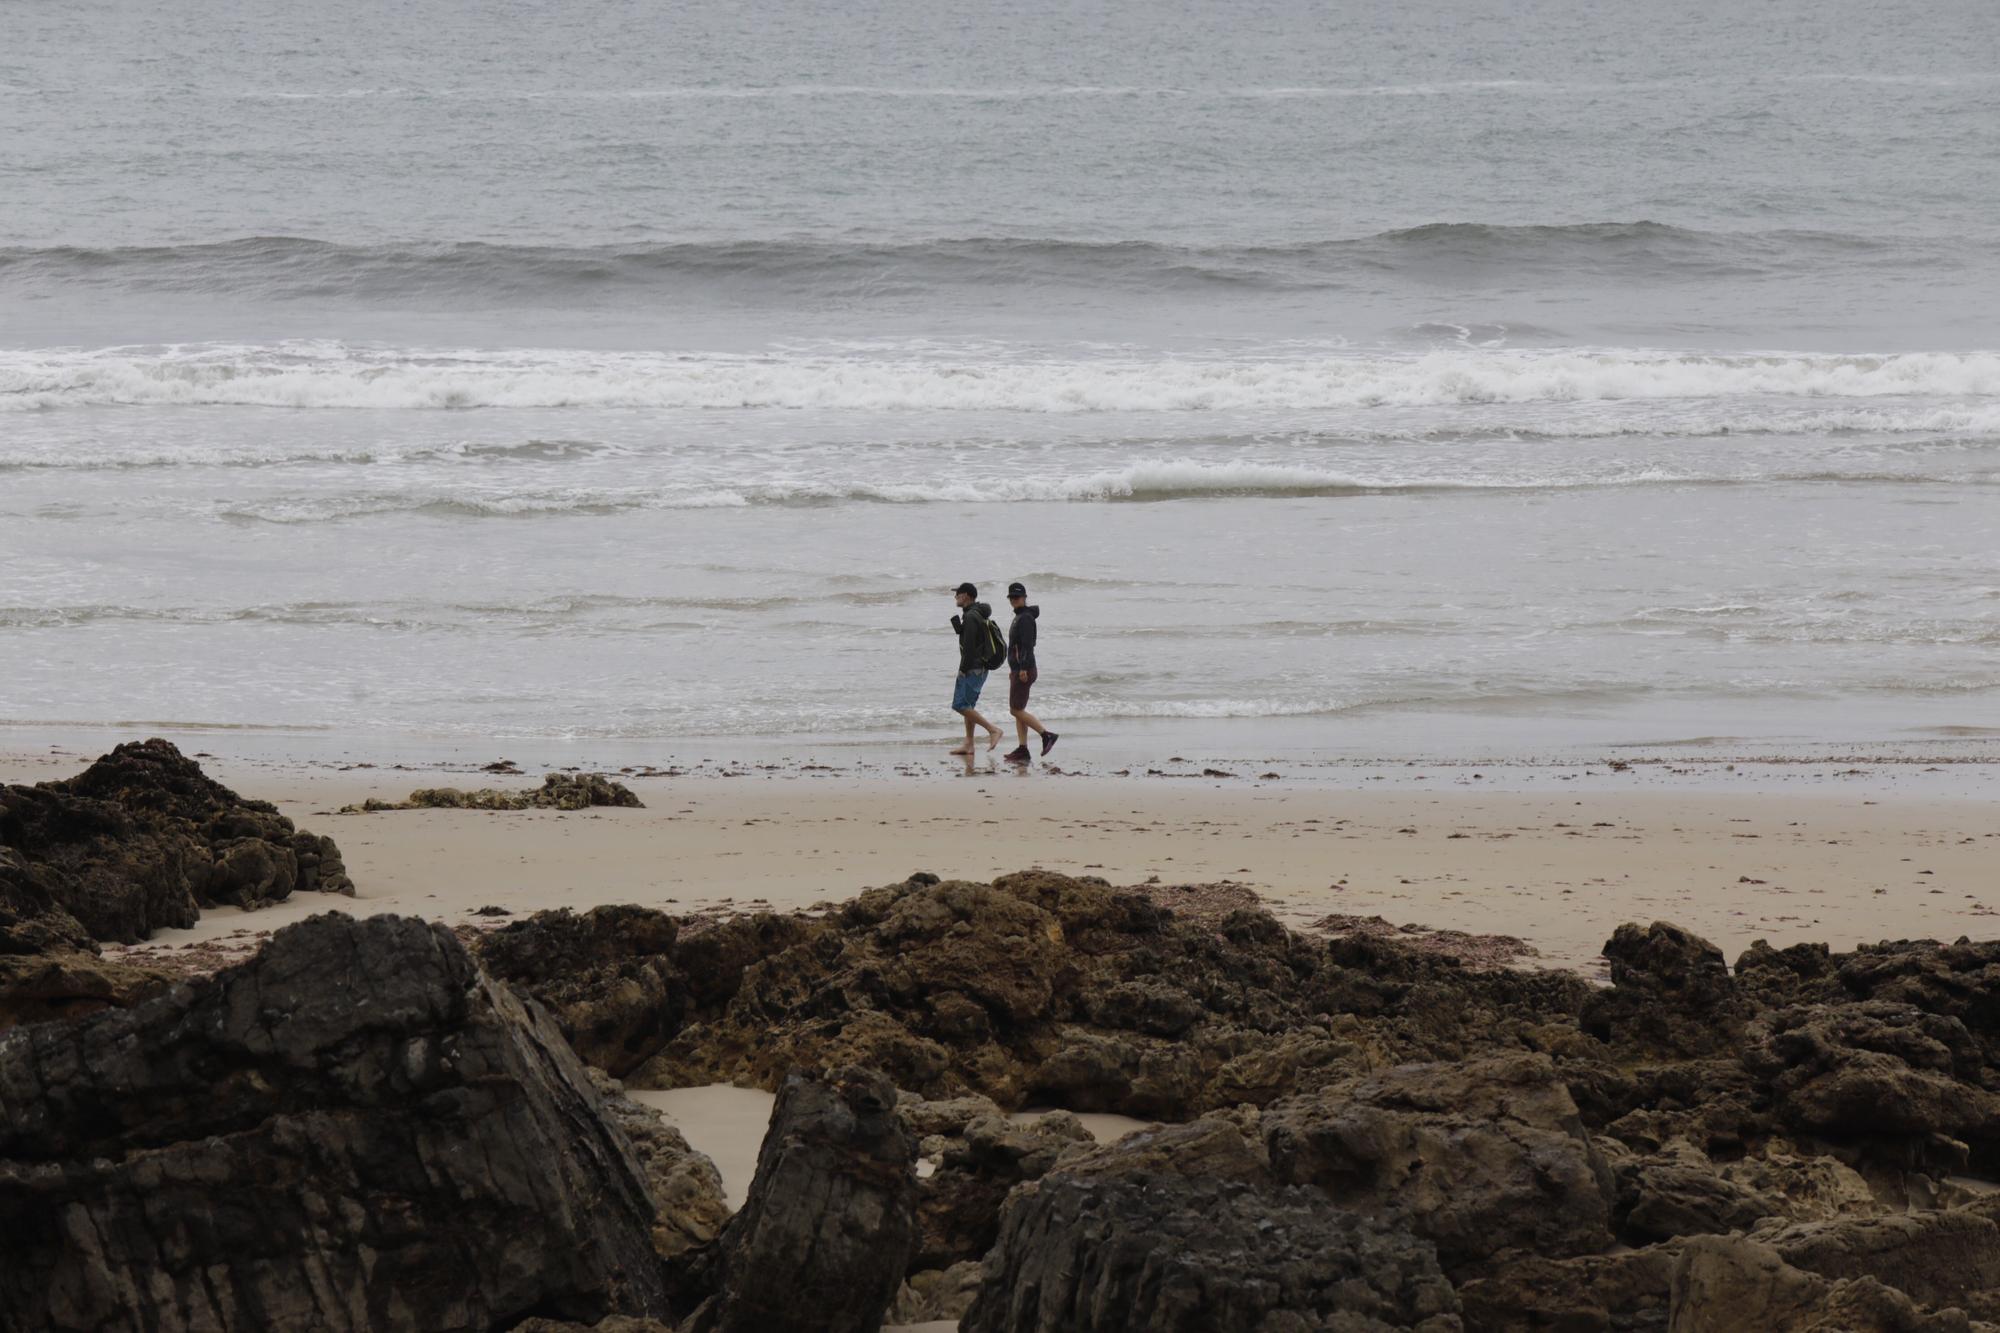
1031, 612
982, 608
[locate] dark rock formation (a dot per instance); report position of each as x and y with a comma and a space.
1876, 1069
625, 980
608, 973
1934, 1257
1729, 1284
354, 1130
1671, 994
937, 1294
1624, 1292
1679, 1191
958, 1204
559, 791
1041, 988
1477, 1157
824, 1236
1169, 1253
141, 840
50, 967
686, 1187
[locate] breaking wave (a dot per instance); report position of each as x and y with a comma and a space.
341, 376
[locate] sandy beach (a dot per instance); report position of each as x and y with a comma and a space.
1555, 857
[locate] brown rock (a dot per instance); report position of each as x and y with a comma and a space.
1478, 1157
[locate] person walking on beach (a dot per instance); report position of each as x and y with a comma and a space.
1021, 673
979, 649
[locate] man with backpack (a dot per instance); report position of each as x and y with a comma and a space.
980, 648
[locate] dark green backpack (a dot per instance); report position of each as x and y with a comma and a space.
996, 648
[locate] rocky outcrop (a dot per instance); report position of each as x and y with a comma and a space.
1936, 1257
937, 1294
1360, 1134
1477, 1157
958, 1204
1671, 994
824, 1237
559, 791
608, 973
1621, 1292
1170, 1253
1519, 1125
1727, 1284
690, 1209
142, 840
50, 967
354, 1130
1039, 988
1877, 1069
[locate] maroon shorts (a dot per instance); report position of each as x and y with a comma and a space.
1017, 689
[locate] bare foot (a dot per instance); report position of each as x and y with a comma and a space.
993, 739
963, 749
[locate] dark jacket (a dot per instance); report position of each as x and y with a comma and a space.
971, 629
1021, 639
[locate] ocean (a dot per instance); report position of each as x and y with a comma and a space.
1364, 377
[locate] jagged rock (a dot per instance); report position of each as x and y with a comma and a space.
1153, 1253
608, 974
1477, 1157
1872, 1070
1671, 994
824, 1237
685, 1185
948, 1117
50, 967
1935, 1257
1677, 1191
70, 983
141, 841
937, 1294
1008, 991
1733, 1283
1803, 1189
958, 1205
559, 791
1219, 1146
353, 1130
1624, 1292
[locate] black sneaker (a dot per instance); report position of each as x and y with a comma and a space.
1019, 755
1049, 739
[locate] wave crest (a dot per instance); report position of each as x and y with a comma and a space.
334, 376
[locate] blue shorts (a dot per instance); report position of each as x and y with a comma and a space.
965, 693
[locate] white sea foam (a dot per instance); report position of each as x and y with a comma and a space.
324, 376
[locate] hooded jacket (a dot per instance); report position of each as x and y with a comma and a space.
971, 629
1021, 639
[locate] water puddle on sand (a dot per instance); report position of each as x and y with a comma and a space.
728, 1124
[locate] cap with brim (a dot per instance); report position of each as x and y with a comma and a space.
1017, 590
967, 589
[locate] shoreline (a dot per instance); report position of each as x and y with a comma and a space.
1556, 856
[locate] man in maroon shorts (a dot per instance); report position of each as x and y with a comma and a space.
1021, 673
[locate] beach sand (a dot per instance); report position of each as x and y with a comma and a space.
1557, 859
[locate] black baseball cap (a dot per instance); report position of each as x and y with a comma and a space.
1017, 590
967, 589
